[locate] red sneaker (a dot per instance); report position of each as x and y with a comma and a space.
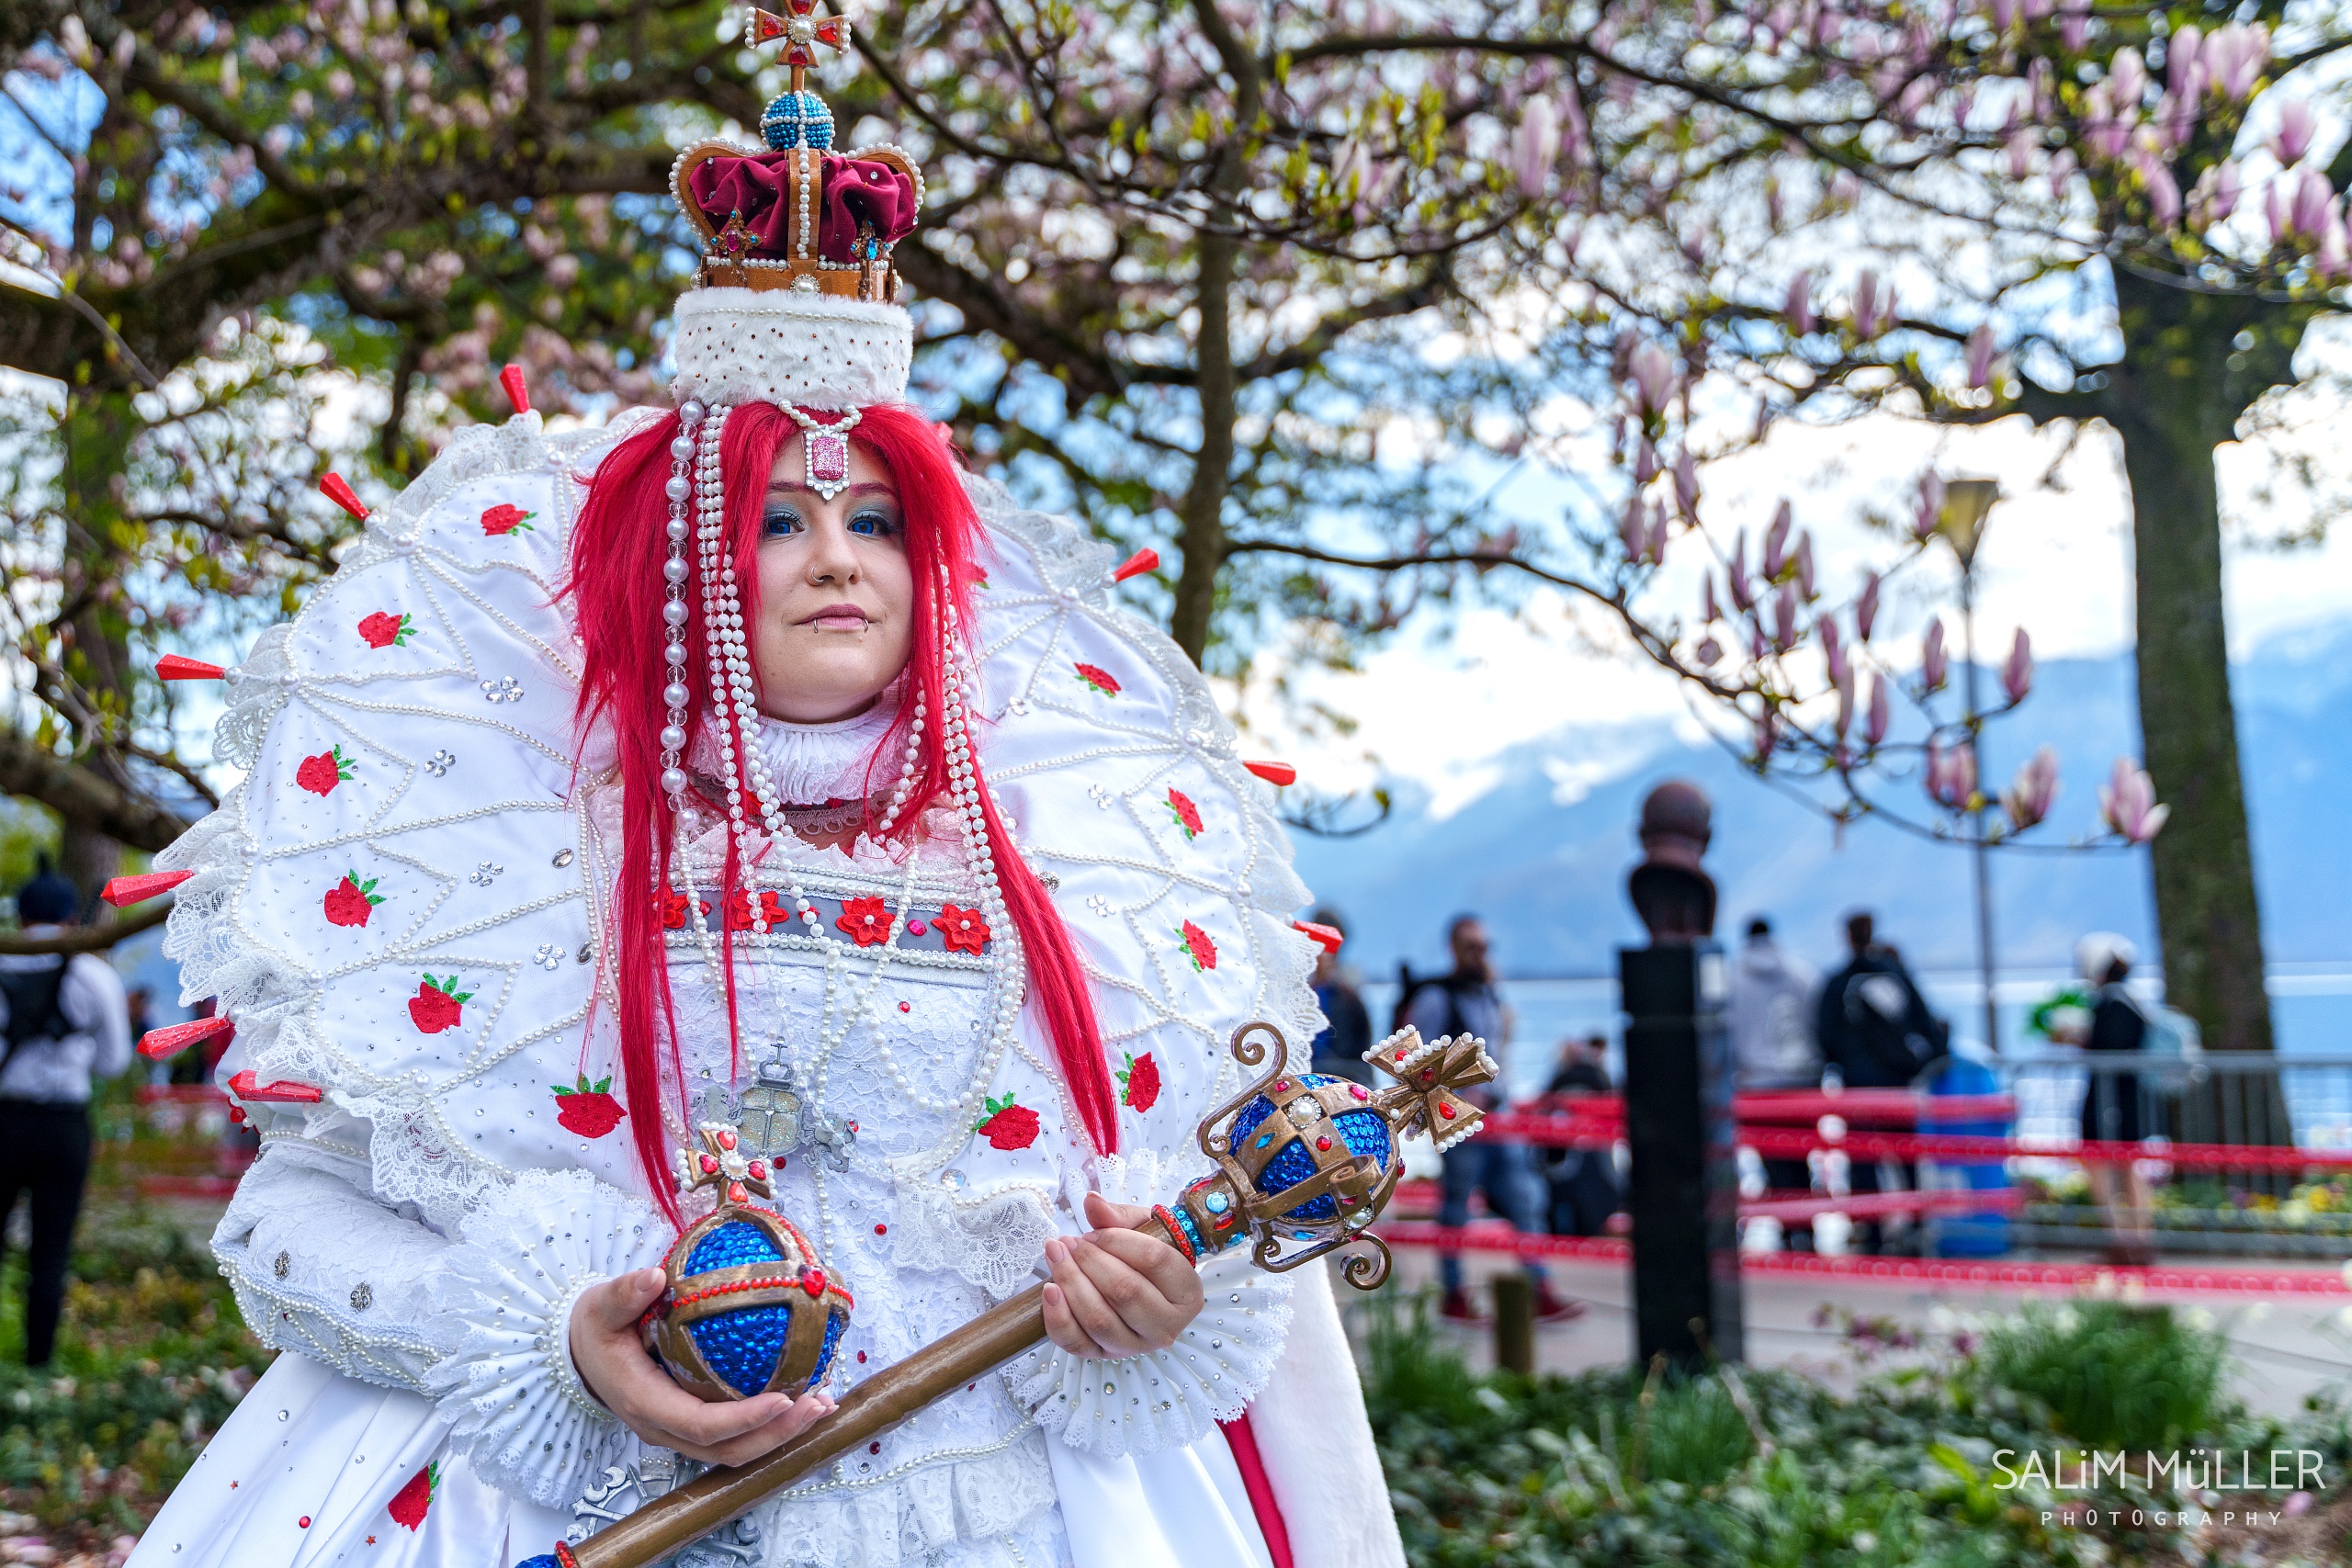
1551, 1308
1457, 1307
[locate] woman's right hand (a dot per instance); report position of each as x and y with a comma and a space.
611, 1357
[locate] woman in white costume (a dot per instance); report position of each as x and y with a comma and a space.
746, 763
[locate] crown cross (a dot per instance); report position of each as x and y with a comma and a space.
802, 31
725, 1164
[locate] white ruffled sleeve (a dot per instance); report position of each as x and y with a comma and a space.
322, 1268
522, 1417
1162, 1400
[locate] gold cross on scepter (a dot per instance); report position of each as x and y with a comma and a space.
726, 1164
802, 32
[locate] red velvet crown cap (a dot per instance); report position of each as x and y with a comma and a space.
856, 191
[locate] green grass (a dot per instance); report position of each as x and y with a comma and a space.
150, 1358
2110, 1375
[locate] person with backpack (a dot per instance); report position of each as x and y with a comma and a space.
1874, 1026
2114, 1106
67, 1021
1467, 1001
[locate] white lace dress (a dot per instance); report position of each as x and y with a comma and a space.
404, 908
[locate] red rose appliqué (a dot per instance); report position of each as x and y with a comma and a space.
438, 1005
588, 1108
1139, 1083
1187, 814
1099, 679
409, 1504
865, 921
320, 774
351, 901
504, 518
1007, 1125
962, 930
1197, 946
382, 630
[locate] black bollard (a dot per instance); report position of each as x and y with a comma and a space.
1684, 1198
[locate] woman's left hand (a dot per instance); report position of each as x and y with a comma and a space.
1116, 1292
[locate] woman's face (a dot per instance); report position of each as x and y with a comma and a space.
836, 593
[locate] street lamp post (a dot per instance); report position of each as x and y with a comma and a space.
1967, 503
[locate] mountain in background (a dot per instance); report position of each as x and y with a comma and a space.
1543, 854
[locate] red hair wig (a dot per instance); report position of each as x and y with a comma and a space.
618, 591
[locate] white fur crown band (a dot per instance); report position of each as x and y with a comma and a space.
786, 347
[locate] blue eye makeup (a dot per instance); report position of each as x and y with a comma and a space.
781, 523
873, 525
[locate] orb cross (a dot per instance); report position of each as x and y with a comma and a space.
802, 30
726, 1164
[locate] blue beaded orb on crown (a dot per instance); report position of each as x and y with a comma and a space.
1309, 1122
750, 1309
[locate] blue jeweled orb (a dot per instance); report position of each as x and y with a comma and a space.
1365, 1132
750, 1310
792, 118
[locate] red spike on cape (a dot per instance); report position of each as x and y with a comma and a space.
125, 891
173, 667
285, 1090
174, 1038
1136, 565
519, 390
333, 488
1276, 773
1330, 937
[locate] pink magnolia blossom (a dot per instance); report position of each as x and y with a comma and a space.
1933, 664
1633, 531
1533, 145
2127, 803
1866, 608
2297, 125
1980, 357
2017, 156
2164, 193
2236, 56
2276, 221
1879, 716
2311, 197
1845, 680
1575, 136
2060, 170
1930, 509
2017, 673
1644, 462
2129, 74
2033, 791
1804, 567
1865, 304
1735, 573
1709, 612
2335, 251
1654, 547
1686, 483
1653, 374
1784, 617
1952, 775
1708, 652
1776, 544
2181, 64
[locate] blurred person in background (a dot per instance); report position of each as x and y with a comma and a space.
2113, 1110
1772, 1043
1582, 1182
67, 1021
1468, 1001
1347, 1029
1873, 1027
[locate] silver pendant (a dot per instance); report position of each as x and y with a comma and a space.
775, 1121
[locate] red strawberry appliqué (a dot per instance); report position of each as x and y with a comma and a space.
1007, 1125
320, 774
438, 1005
382, 630
588, 1108
410, 1504
1102, 680
351, 901
505, 518
1197, 946
1139, 1083
1187, 814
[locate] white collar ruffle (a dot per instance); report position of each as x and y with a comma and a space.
814, 763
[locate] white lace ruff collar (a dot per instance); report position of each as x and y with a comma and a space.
814, 763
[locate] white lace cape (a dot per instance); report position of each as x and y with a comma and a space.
397, 906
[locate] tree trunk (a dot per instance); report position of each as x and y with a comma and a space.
1203, 539
2172, 402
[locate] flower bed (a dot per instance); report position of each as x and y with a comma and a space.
1735, 1469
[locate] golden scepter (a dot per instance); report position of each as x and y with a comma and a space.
1304, 1165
